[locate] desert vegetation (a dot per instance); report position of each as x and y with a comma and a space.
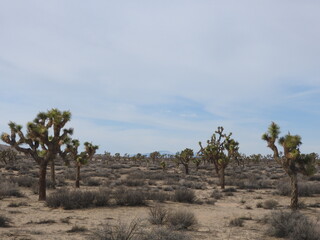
215, 194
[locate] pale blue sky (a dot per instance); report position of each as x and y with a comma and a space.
140, 76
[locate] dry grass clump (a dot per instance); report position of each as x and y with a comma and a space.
292, 225
120, 231
165, 234
182, 219
158, 215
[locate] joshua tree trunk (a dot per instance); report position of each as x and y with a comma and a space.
221, 175
186, 168
294, 191
42, 181
53, 175
78, 176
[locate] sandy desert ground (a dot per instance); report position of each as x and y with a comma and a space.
247, 190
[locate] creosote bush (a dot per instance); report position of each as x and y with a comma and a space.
292, 225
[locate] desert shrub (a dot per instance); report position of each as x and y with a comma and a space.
133, 182
231, 189
4, 221
77, 199
304, 189
236, 222
90, 181
270, 204
125, 197
120, 231
159, 196
164, 234
18, 204
77, 229
182, 219
314, 178
216, 194
184, 195
9, 189
24, 181
158, 215
102, 197
259, 205
293, 225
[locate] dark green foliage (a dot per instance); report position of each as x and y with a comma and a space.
184, 195
182, 219
293, 225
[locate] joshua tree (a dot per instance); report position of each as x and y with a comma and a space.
163, 165
43, 141
220, 150
155, 156
80, 158
292, 161
117, 157
197, 161
184, 158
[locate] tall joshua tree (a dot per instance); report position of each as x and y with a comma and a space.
43, 140
292, 161
220, 150
184, 158
81, 158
